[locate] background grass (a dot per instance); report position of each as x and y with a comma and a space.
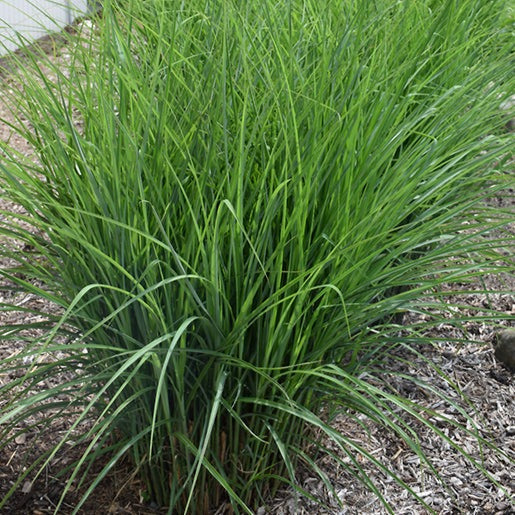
237, 201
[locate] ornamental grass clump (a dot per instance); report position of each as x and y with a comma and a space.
232, 203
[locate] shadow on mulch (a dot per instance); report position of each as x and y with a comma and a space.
118, 493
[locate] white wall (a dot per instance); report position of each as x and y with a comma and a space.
35, 18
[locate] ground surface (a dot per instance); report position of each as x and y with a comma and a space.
472, 367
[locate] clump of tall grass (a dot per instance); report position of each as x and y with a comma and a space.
236, 200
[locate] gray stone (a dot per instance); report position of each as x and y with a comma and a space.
504, 345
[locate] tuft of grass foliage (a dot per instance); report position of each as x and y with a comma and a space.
232, 202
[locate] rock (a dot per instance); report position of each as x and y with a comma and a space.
504, 345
